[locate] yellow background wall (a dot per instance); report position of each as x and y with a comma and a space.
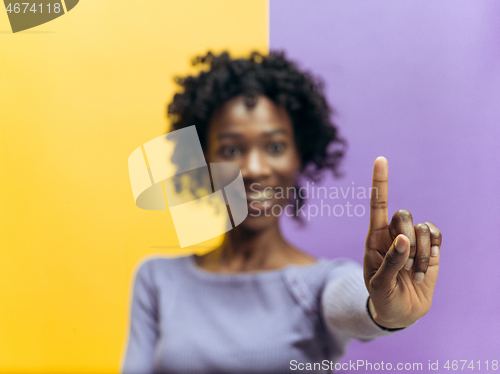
77, 96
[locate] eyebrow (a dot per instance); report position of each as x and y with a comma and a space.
233, 135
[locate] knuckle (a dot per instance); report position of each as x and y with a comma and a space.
423, 259
402, 215
379, 204
413, 244
422, 262
435, 233
436, 236
422, 228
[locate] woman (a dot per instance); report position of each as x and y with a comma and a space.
258, 304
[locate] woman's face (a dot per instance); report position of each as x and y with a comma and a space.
260, 141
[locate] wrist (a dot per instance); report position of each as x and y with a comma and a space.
375, 318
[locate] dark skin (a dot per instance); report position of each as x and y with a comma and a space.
400, 282
260, 141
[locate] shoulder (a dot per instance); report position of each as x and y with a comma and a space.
155, 269
328, 270
317, 276
161, 261
341, 267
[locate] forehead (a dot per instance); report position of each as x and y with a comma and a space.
265, 116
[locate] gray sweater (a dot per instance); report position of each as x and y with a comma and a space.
187, 320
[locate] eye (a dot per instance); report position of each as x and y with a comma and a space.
230, 152
276, 148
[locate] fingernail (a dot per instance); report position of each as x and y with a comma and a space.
434, 251
418, 277
400, 245
409, 264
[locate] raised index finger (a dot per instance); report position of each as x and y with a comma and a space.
378, 198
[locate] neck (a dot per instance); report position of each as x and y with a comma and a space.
243, 250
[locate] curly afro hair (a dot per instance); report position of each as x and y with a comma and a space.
299, 92
276, 77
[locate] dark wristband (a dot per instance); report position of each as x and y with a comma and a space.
382, 327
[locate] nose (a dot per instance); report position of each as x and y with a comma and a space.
255, 166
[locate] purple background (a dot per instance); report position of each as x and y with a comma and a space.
419, 83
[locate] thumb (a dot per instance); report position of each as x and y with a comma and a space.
384, 279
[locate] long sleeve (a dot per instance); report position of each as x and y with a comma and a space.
143, 333
343, 306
